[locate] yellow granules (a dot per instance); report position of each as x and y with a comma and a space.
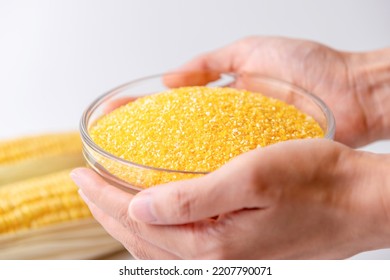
198, 128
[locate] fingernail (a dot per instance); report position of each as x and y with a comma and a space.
78, 177
140, 208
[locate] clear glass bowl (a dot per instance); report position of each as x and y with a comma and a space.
135, 177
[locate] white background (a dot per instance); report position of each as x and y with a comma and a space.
280, 270
57, 56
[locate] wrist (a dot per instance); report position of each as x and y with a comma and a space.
370, 74
371, 197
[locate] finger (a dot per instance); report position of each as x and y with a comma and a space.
231, 188
190, 78
112, 105
220, 60
203, 69
255, 179
138, 247
113, 201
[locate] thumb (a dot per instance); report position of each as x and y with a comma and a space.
230, 188
203, 69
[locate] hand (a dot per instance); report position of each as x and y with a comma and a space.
293, 200
336, 77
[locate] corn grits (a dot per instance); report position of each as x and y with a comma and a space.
198, 128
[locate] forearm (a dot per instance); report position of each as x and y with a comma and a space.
371, 78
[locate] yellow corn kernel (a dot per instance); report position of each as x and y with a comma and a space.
38, 155
39, 146
197, 129
40, 201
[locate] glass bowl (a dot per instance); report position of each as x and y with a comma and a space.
134, 177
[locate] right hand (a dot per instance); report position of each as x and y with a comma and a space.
300, 199
319, 69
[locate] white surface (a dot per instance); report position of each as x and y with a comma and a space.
57, 56
199, 270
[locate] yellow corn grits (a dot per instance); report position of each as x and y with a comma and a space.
199, 128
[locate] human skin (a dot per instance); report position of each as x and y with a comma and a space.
354, 85
301, 199
305, 199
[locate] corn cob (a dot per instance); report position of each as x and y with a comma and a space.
41, 214
80, 239
38, 155
40, 201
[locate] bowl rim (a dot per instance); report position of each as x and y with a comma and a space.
87, 140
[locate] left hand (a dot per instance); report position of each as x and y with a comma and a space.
305, 199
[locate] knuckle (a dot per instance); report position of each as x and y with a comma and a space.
133, 245
183, 205
133, 226
122, 216
253, 187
